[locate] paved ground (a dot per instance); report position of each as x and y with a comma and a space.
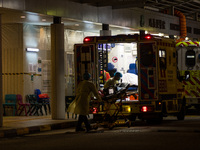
22, 125
171, 134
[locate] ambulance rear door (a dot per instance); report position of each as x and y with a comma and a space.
85, 59
147, 72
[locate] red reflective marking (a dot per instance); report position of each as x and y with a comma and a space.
187, 93
195, 93
185, 83
198, 89
197, 80
191, 82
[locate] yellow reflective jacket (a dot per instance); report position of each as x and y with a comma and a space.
80, 105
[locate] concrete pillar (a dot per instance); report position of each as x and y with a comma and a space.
57, 70
105, 30
1, 83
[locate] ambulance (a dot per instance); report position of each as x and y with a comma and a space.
147, 63
189, 66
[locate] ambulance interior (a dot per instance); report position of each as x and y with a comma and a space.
122, 57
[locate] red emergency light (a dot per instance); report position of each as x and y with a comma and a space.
148, 37
88, 39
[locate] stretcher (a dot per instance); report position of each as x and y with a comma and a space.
109, 113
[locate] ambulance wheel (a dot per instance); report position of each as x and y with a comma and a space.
129, 124
95, 127
110, 126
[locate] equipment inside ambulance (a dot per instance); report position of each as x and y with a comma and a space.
122, 56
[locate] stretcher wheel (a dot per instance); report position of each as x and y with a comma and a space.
95, 127
110, 126
129, 124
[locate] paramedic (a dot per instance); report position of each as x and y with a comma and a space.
113, 81
105, 75
80, 105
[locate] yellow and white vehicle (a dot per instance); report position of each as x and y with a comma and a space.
189, 66
159, 89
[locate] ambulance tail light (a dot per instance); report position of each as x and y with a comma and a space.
88, 39
146, 109
94, 110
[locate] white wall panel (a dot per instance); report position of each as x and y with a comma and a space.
12, 59
89, 13
122, 17
16, 4
56, 9
104, 14
38, 6
74, 10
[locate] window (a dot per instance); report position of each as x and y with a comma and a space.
146, 52
190, 58
162, 59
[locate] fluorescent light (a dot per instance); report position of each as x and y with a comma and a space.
32, 49
22, 17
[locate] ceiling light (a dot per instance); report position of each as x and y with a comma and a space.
44, 20
22, 17
76, 25
32, 49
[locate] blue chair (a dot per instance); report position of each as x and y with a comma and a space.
10, 101
44, 101
132, 69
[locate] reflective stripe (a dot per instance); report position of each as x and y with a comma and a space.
188, 43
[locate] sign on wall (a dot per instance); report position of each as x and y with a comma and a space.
114, 59
46, 76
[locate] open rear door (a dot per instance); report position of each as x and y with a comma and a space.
85, 61
147, 73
